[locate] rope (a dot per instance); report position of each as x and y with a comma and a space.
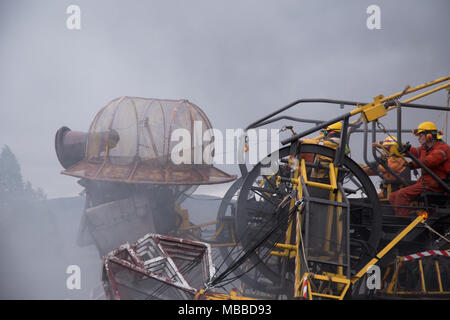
434, 231
301, 241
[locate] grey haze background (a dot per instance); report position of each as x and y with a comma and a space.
237, 60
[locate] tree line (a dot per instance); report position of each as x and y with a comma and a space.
12, 185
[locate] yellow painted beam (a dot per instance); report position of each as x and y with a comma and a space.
388, 247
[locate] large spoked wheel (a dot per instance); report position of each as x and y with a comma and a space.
228, 242
263, 213
225, 226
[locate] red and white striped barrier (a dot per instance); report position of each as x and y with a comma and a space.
427, 253
305, 287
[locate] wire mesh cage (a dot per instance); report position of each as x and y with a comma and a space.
136, 140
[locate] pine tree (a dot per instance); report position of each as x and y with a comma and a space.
10, 176
12, 185
39, 194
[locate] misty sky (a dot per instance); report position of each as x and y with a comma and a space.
237, 60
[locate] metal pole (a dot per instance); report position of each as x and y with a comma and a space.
314, 129
399, 124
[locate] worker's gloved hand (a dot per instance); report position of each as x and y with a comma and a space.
376, 144
404, 147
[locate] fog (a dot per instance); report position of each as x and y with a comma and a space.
237, 60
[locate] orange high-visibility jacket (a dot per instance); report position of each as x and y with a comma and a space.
437, 159
396, 164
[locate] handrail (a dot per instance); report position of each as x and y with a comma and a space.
378, 100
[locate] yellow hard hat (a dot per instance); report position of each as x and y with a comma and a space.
337, 126
389, 141
427, 126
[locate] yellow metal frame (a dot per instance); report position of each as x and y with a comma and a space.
289, 251
375, 110
388, 188
390, 245
340, 279
369, 112
294, 251
185, 226
332, 174
391, 289
345, 284
219, 296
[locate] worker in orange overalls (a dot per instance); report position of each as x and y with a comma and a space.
396, 163
331, 138
433, 153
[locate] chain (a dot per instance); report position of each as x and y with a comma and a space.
380, 126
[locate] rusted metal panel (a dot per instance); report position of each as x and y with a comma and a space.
111, 224
157, 267
195, 174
